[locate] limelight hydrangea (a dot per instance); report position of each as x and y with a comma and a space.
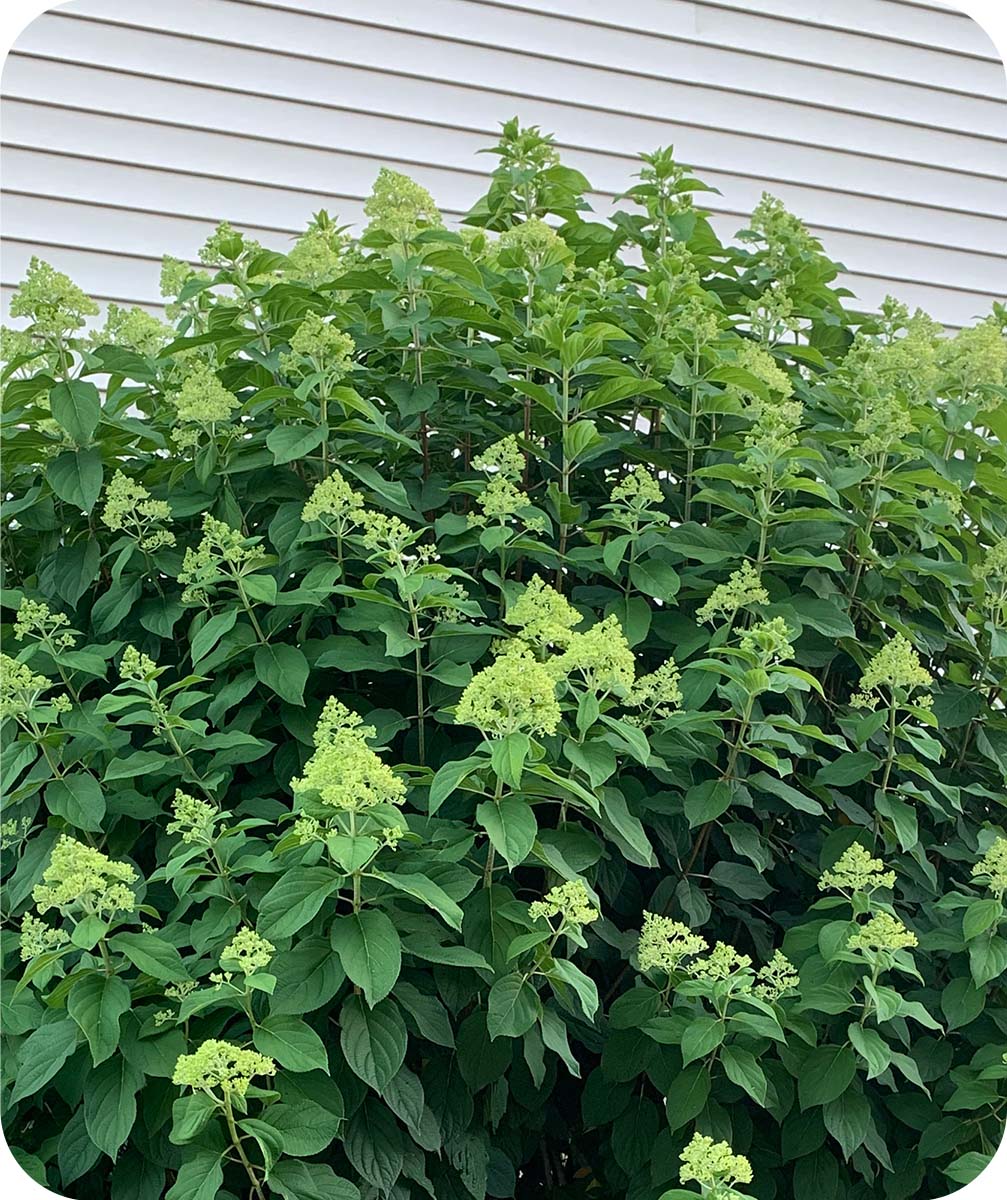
743, 588
896, 668
777, 978
335, 499
322, 346
991, 869
639, 490
81, 879
543, 616
658, 693
400, 207
533, 243
317, 255
53, 303
665, 943
503, 456
501, 500
856, 870
134, 329
21, 690
247, 952
385, 533
601, 656
882, 932
130, 507
137, 666
225, 246
975, 360
515, 694
203, 399
713, 1164
36, 619
221, 551
222, 1065
769, 641
344, 772
39, 938
569, 901
722, 962
194, 819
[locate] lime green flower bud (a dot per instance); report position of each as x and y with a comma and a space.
601, 656
769, 641
543, 616
225, 246
713, 1164
639, 490
895, 669
221, 1065
39, 938
385, 534
134, 329
51, 301
82, 879
777, 978
658, 693
742, 589
882, 932
856, 871
318, 254
247, 952
993, 564
503, 457
333, 498
131, 508
137, 666
571, 901
400, 207
514, 694
722, 962
532, 245
991, 869
344, 772
193, 819
36, 619
203, 399
21, 690
319, 345
664, 944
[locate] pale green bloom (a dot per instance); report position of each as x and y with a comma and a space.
713, 1164
777, 978
757, 361
134, 329
501, 500
221, 553
570, 901
533, 244
722, 962
130, 507
385, 533
665, 943
80, 878
896, 668
543, 616
52, 302
885, 422
333, 498
769, 641
247, 952
658, 692
317, 255
601, 656
16, 343
13, 832
21, 690
221, 1065
882, 932
39, 938
515, 694
856, 870
319, 345
639, 490
742, 589
400, 207
225, 246
344, 772
504, 456
974, 361
175, 274
993, 564
193, 819
203, 399
137, 666
991, 869
36, 619
179, 991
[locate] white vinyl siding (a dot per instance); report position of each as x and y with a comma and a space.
132, 126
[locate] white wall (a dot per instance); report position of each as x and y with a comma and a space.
131, 126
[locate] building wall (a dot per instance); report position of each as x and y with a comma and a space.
131, 126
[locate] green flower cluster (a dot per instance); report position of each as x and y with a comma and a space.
974, 362
137, 666
856, 870
768, 641
222, 553
742, 589
601, 656
202, 400
247, 952
37, 937
222, 1065
515, 694
569, 901
895, 669
991, 869
344, 772
639, 489
657, 693
714, 1166
319, 345
225, 246
36, 619
333, 498
194, 819
53, 303
21, 690
501, 499
318, 254
133, 329
543, 616
80, 879
131, 508
722, 962
883, 932
664, 944
532, 245
776, 979
400, 207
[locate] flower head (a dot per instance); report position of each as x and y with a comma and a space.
896, 668
713, 1164
743, 588
21, 689
991, 869
638, 490
856, 870
194, 819
320, 345
137, 666
658, 693
335, 499
247, 952
221, 1065
722, 962
570, 901
344, 772
225, 246
400, 207
203, 399
665, 943
516, 693
80, 878
503, 457
130, 507
51, 301
39, 938
882, 932
221, 553
533, 244
769, 641
601, 656
36, 619
777, 978
134, 329
317, 255
543, 616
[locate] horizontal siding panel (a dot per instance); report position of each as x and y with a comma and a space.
352, 175
509, 49
637, 37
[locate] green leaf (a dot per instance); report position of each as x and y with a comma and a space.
200, 1177
288, 442
419, 887
687, 1096
310, 1181
291, 1041
370, 951
448, 778
373, 1040
655, 578
980, 915
76, 405
294, 899
97, 1003
825, 1074
742, 1068
110, 1103
42, 1055
851, 768
284, 669
848, 1119
75, 476
79, 800
513, 1007
708, 801
152, 955
703, 1034
511, 826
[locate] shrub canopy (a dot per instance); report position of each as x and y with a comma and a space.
504, 711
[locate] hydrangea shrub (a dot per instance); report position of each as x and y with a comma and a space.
503, 712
